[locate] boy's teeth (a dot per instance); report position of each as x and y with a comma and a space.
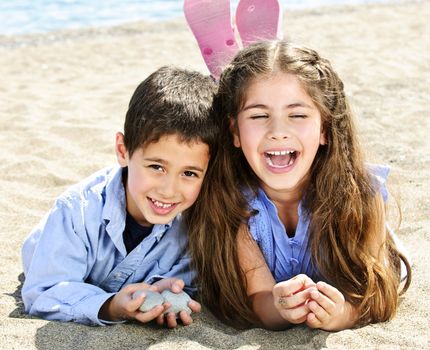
161, 205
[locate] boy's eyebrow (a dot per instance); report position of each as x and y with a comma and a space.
162, 161
262, 106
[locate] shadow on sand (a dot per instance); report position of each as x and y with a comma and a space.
206, 331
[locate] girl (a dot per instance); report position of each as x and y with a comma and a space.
304, 238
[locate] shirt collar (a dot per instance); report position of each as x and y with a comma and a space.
273, 209
159, 230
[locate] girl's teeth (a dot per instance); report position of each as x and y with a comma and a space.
279, 153
161, 205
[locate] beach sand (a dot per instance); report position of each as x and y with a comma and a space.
65, 94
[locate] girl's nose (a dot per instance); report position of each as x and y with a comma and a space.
278, 129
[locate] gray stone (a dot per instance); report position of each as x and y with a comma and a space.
179, 302
152, 299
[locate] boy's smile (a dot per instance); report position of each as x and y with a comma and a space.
164, 177
279, 131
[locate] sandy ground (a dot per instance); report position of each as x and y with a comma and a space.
64, 95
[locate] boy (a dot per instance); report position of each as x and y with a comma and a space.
121, 229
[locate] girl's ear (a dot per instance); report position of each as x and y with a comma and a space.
121, 151
323, 138
235, 132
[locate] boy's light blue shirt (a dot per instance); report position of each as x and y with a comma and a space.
75, 259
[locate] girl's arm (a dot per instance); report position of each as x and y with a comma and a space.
260, 283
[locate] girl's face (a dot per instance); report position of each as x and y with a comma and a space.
279, 130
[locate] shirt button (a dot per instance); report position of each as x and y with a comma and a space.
294, 261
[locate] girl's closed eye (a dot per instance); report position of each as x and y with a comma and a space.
258, 116
298, 116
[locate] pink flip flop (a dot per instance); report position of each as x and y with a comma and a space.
258, 20
210, 22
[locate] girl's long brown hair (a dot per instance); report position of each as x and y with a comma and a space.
346, 214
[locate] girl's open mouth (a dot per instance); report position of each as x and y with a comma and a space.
280, 159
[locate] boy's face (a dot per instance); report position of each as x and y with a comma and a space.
164, 177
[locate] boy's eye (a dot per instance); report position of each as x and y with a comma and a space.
156, 167
190, 174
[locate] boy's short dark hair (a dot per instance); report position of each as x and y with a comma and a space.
171, 101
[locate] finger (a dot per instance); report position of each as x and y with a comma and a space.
166, 305
171, 320
296, 315
323, 301
150, 315
292, 301
174, 284
160, 320
312, 321
177, 286
136, 301
154, 288
185, 318
194, 306
320, 313
293, 285
131, 288
331, 292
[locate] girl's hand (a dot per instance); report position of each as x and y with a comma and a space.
176, 286
290, 298
328, 309
122, 306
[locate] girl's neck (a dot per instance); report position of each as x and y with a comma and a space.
287, 203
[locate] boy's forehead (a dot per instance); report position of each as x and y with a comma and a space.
174, 137
170, 149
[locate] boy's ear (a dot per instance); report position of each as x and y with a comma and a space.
120, 150
235, 132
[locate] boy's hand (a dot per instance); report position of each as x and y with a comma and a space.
290, 298
328, 309
122, 306
176, 286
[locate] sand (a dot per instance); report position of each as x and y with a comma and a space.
64, 95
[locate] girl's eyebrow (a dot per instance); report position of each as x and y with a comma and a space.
291, 105
256, 105
164, 162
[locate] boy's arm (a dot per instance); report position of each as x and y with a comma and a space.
55, 262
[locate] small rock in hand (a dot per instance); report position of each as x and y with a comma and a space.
179, 302
152, 299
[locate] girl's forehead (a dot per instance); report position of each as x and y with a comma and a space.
281, 82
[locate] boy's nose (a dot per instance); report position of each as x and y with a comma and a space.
167, 188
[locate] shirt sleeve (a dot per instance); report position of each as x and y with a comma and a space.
380, 175
55, 260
